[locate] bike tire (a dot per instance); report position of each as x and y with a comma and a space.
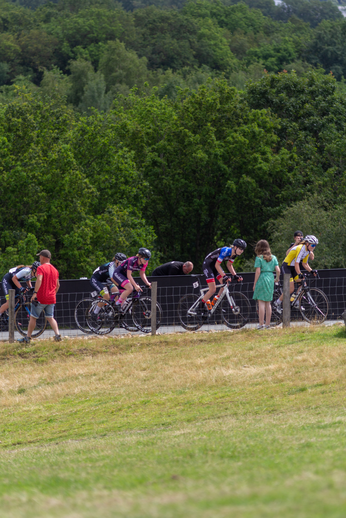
80, 314
314, 306
141, 314
189, 322
127, 320
22, 318
236, 317
105, 320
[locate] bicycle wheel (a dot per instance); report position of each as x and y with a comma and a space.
189, 320
141, 314
127, 320
21, 321
314, 306
104, 321
237, 316
80, 314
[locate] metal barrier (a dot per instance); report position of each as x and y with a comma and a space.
171, 289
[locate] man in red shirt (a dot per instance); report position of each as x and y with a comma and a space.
44, 296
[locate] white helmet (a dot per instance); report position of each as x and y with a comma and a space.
312, 240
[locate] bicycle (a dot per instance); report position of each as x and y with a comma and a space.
22, 316
234, 306
135, 315
312, 303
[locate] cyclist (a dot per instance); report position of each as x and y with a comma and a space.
212, 268
11, 281
122, 276
104, 273
297, 255
298, 236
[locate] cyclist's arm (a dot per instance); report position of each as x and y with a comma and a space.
132, 281
219, 268
231, 268
144, 278
307, 267
16, 281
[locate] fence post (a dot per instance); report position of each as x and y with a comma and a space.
286, 303
11, 316
153, 307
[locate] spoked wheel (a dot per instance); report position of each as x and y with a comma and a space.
22, 318
81, 313
237, 315
188, 317
104, 321
314, 306
141, 314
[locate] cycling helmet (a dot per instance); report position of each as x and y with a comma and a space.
144, 252
298, 233
312, 240
35, 265
240, 243
120, 257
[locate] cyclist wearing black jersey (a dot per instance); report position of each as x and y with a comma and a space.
11, 281
122, 276
104, 273
212, 267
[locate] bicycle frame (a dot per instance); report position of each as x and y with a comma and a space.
225, 293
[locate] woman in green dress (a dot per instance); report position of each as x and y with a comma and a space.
266, 264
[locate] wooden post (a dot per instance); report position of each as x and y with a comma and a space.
153, 307
11, 315
286, 303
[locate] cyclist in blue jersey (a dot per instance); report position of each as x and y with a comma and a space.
212, 267
11, 281
122, 276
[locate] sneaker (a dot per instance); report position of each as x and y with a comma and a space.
57, 338
268, 327
25, 340
260, 327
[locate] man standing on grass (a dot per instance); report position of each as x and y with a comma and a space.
44, 296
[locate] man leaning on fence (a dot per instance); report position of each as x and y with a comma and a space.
44, 296
173, 268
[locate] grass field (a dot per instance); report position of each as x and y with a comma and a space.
209, 425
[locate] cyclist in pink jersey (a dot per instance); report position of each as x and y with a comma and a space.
122, 276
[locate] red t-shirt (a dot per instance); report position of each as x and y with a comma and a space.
46, 293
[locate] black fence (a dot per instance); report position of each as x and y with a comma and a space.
171, 289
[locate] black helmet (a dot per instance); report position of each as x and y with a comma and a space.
35, 265
298, 233
240, 243
120, 257
144, 252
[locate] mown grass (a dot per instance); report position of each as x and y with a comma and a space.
237, 424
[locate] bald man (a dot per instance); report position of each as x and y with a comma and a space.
173, 268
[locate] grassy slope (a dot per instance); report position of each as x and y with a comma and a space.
208, 425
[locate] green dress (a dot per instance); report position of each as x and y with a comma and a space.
265, 285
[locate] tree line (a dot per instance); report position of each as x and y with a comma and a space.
172, 125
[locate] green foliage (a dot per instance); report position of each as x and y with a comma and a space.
275, 57
59, 176
317, 217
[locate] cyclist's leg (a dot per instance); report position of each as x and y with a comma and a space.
210, 274
122, 282
285, 268
101, 290
7, 285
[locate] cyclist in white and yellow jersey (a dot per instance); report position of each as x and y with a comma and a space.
297, 255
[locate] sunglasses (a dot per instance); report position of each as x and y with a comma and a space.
312, 246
